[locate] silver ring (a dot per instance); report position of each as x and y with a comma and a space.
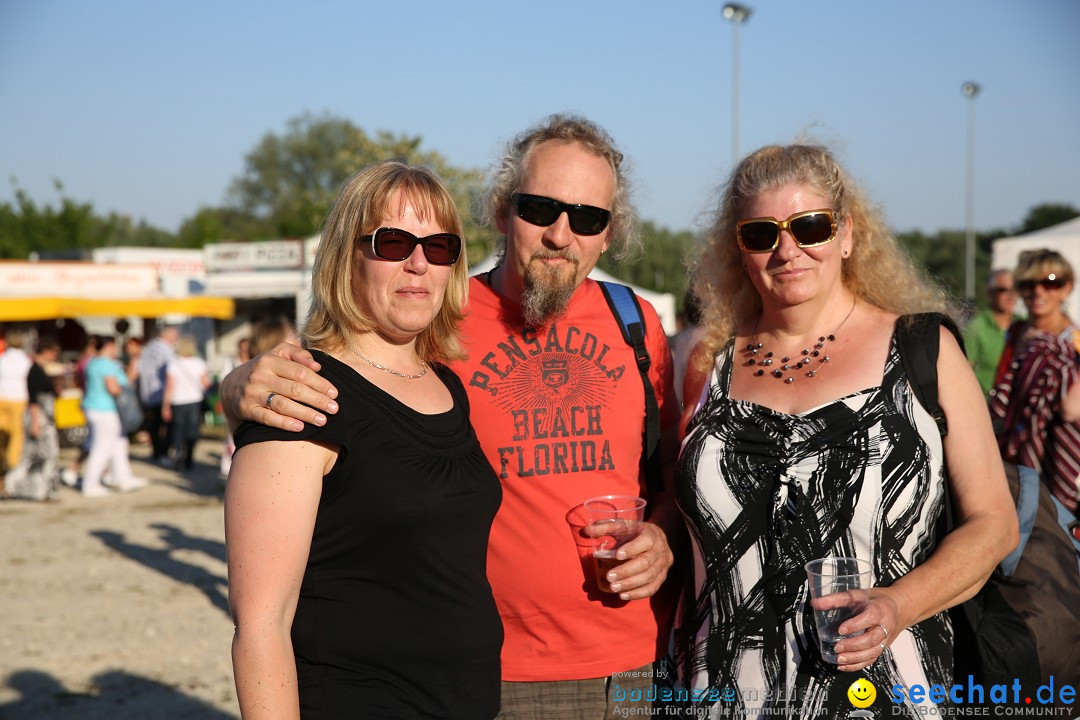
882, 646
884, 630
270, 399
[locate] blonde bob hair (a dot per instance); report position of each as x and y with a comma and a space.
878, 271
336, 314
186, 346
508, 175
1041, 263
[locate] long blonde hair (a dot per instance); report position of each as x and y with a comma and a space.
878, 271
362, 204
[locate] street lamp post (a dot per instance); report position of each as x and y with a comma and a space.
737, 14
971, 91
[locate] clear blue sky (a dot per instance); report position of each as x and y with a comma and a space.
149, 108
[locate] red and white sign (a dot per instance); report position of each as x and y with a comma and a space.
84, 280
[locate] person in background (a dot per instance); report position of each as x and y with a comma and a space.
14, 367
1036, 401
108, 444
804, 441
269, 332
133, 347
984, 336
88, 353
266, 333
684, 341
243, 354
153, 362
70, 475
356, 550
186, 381
37, 475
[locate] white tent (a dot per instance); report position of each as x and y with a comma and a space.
1064, 238
663, 303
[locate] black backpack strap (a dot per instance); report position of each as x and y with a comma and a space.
624, 306
918, 340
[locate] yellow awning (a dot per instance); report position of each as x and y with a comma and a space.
24, 309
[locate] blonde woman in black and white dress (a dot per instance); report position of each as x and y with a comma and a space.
803, 441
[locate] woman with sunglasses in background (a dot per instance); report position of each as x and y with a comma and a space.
803, 440
1036, 400
357, 549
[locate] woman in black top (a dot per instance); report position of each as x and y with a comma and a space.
37, 475
357, 549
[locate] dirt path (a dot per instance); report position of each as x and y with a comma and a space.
116, 608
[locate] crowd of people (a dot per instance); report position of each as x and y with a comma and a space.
130, 391
396, 509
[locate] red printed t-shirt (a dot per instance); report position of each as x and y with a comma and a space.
559, 411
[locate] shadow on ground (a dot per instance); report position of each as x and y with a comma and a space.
203, 480
215, 587
116, 695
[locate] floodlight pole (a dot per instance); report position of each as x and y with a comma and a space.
737, 14
971, 91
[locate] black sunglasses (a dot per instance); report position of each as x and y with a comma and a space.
1051, 282
544, 211
810, 229
394, 244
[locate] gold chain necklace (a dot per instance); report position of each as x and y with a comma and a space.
374, 364
765, 361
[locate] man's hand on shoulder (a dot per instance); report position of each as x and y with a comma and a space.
290, 375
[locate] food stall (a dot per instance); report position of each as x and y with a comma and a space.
31, 292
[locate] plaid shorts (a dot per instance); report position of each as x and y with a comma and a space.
592, 699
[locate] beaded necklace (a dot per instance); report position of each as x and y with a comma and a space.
764, 360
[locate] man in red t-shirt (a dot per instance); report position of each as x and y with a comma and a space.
559, 407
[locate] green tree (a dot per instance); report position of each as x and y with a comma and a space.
1046, 215
290, 181
663, 263
27, 227
212, 224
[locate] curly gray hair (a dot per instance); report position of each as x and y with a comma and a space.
625, 235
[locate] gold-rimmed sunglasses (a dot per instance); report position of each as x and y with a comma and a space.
810, 229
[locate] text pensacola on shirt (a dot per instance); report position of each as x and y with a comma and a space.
975, 693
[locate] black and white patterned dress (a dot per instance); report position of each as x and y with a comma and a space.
764, 492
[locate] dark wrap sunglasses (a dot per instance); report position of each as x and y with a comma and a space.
1051, 282
394, 244
810, 229
544, 211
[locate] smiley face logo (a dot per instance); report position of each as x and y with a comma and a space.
862, 693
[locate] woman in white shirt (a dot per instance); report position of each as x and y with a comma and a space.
186, 381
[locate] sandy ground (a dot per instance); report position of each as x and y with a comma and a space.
116, 607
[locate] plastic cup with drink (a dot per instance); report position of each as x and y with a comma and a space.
614, 520
839, 590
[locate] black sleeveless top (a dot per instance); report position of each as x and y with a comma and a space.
395, 617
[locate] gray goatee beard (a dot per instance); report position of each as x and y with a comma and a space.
547, 290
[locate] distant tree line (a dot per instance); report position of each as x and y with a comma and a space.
290, 180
